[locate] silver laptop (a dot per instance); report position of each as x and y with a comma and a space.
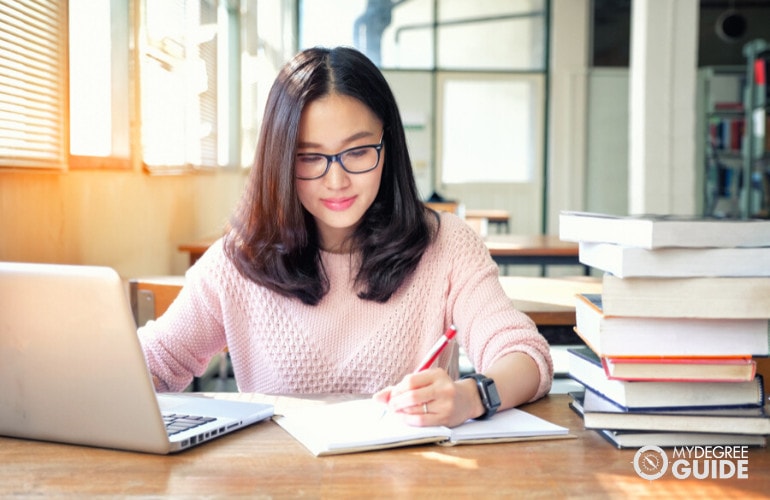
72, 369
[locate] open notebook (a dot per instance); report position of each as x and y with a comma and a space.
362, 425
72, 369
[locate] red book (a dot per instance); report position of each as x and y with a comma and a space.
681, 369
728, 106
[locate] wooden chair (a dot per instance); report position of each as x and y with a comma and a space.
150, 297
499, 218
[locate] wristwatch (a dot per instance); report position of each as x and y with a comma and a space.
490, 399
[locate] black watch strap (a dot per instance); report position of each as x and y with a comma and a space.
490, 398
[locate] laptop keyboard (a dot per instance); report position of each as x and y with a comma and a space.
176, 423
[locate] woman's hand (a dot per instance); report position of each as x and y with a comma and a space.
431, 397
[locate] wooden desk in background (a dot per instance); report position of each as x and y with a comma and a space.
548, 301
533, 249
505, 249
264, 461
197, 248
498, 218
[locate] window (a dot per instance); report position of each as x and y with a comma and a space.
99, 84
183, 84
483, 34
485, 63
506, 149
171, 98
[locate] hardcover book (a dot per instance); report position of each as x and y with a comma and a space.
657, 231
586, 368
600, 413
667, 439
695, 369
746, 297
637, 439
629, 262
619, 336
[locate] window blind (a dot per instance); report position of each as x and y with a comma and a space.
33, 83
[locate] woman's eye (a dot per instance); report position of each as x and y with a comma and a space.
310, 159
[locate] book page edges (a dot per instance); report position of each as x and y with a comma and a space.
508, 439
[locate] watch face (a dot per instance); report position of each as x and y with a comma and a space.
494, 397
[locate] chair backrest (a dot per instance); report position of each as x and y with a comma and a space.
150, 297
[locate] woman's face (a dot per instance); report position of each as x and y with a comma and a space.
338, 200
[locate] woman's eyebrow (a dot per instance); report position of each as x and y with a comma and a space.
354, 137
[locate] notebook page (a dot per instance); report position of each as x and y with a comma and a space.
354, 426
513, 423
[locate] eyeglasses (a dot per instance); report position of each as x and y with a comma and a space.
358, 160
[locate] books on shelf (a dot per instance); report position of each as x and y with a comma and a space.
600, 413
616, 336
586, 368
715, 297
657, 231
694, 369
628, 262
638, 438
726, 132
363, 425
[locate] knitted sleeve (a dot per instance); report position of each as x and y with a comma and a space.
180, 344
489, 327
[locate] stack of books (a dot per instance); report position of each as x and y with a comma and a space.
673, 340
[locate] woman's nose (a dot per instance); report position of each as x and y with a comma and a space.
336, 177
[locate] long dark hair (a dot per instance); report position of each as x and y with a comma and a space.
273, 240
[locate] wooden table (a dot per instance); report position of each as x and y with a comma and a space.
505, 249
263, 461
528, 249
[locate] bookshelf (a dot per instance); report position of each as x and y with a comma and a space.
756, 147
723, 125
735, 144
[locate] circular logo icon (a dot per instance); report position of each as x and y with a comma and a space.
650, 462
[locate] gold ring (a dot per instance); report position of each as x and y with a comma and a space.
425, 408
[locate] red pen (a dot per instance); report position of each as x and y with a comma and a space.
437, 348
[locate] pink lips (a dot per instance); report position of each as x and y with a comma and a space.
338, 204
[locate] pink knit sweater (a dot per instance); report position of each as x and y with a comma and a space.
344, 344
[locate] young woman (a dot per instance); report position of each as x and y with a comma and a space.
333, 277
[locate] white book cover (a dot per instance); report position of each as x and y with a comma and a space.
636, 336
657, 231
627, 262
699, 297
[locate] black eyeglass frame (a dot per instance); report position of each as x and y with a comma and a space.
338, 158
